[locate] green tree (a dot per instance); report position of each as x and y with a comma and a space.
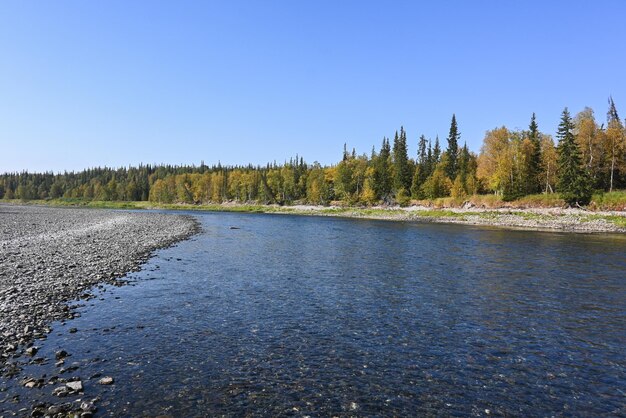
402, 169
422, 153
574, 184
381, 177
428, 164
436, 154
418, 181
453, 149
56, 190
437, 185
533, 184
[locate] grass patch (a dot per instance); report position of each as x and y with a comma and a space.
64, 202
609, 201
440, 213
492, 201
547, 200
619, 221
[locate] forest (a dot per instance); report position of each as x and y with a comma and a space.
587, 156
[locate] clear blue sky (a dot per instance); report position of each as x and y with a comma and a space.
92, 83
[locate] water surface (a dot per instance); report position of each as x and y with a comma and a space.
293, 315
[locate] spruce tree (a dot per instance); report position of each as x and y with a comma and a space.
436, 153
453, 149
421, 151
429, 161
382, 175
612, 113
574, 184
403, 175
533, 185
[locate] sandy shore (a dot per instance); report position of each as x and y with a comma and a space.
50, 256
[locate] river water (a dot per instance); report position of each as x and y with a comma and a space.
293, 315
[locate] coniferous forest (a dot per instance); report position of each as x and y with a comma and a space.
588, 155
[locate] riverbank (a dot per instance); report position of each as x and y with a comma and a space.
554, 218
548, 219
51, 256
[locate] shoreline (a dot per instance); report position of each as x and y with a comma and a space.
545, 219
51, 257
555, 219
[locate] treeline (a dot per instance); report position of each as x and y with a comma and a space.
512, 163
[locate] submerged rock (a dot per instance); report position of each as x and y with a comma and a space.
61, 391
106, 381
76, 386
61, 354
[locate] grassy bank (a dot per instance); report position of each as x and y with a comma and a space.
100, 204
601, 201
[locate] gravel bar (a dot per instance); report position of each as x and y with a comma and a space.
51, 256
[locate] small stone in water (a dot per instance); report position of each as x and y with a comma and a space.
87, 406
30, 384
75, 386
61, 391
106, 380
60, 354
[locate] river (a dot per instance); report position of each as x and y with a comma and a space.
296, 315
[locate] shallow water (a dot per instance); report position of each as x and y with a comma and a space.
294, 315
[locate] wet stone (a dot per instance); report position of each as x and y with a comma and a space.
61, 354
106, 381
76, 386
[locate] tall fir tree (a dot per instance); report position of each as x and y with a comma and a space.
436, 152
533, 183
402, 169
421, 151
612, 113
453, 149
382, 174
574, 183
